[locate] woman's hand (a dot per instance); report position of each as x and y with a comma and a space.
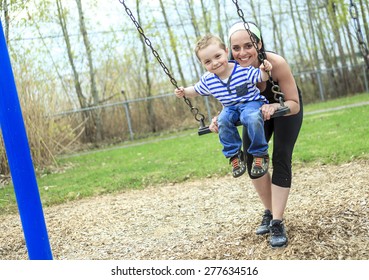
266, 66
214, 125
268, 110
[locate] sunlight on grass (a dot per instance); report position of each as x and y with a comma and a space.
357, 98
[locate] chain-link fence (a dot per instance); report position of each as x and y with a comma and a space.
128, 120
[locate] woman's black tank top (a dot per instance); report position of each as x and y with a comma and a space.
270, 95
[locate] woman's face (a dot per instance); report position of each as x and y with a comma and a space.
243, 49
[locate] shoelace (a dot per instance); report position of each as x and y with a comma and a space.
266, 219
258, 161
276, 229
235, 162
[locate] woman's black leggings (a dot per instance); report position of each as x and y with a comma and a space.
285, 131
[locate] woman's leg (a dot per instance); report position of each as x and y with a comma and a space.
286, 130
274, 192
263, 188
262, 184
279, 197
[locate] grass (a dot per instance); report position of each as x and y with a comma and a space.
337, 102
334, 137
329, 138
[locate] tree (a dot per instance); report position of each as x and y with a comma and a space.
4, 7
298, 39
335, 18
205, 17
93, 88
278, 41
219, 20
173, 43
190, 43
89, 127
191, 13
151, 119
364, 15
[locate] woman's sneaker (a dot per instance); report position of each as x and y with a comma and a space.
264, 227
278, 236
238, 165
260, 166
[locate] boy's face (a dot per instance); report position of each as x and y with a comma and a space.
214, 58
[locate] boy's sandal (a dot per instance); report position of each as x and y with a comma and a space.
260, 166
238, 165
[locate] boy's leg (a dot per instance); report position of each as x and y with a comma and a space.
231, 140
251, 117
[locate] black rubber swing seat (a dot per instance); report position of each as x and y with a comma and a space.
279, 113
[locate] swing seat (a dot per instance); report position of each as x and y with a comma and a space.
279, 113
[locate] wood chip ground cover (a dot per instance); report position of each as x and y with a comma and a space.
326, 219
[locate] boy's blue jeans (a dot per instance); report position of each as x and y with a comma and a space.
251, 117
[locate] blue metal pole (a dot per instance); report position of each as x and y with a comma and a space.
20, 161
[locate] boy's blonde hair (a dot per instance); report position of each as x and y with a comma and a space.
207, 40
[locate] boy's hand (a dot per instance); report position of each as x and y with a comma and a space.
179, 92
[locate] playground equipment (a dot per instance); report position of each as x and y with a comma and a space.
203, 129
20, 161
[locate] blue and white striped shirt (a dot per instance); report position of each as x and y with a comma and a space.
241, 85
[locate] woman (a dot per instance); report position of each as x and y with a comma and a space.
272, 190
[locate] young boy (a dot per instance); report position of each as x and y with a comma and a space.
235, 87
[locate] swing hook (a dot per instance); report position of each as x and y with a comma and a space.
279, 96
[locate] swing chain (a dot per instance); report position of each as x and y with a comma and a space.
195, 111
362, 45
278, 95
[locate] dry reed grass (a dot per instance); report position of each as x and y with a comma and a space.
46, 137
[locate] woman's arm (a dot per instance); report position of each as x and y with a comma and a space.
283, 75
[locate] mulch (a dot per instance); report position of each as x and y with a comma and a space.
211, 219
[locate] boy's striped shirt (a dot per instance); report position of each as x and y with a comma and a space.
240, 87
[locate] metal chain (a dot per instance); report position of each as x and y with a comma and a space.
195, 111
278, 95
362, 45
